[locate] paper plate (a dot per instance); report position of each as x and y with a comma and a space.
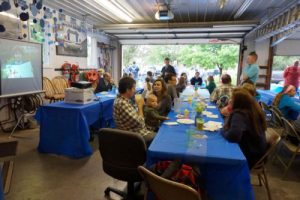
171, 123
185, 121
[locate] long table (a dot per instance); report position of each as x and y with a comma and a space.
267, 96
64, 128
223, 165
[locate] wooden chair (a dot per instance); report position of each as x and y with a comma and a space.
50, 92
165, 189
289, 130
60, 84
258, 169
8, 151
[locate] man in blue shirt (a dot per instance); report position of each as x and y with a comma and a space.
251, 71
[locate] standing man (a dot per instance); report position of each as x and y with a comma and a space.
291, 75
134, 69
251, 71
167, 69
105, 83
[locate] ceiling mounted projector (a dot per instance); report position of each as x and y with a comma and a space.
164, 15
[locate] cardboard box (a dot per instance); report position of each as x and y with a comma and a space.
79, 96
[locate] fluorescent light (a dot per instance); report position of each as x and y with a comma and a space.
6, 14
243, 8
107, 4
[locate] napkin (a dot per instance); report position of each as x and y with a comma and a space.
211, 107
207, 113
212, 126
212, 116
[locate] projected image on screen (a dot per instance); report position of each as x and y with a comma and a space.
21, 67
23, 70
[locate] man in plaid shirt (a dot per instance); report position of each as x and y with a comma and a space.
225, 90
125, 115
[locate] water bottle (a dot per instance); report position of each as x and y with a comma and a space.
113, 89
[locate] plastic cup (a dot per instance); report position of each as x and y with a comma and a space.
138, 97
199, 123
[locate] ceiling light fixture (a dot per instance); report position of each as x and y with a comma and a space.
107, 4
164, 15
243, 8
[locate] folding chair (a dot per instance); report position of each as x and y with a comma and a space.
258, 169
292, 147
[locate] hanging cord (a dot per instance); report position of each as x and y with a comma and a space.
18, 107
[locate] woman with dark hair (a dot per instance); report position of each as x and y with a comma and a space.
286, 103
181, 85
246, 126
185, 77
163, 99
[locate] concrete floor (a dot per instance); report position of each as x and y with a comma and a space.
48, 177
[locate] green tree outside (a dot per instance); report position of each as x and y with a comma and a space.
206, 55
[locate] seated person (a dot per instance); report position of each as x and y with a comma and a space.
211, 85
181, 85
185, 77
163, 99
105, 83
245, 127
196, 79
152, 117
226, 111
147, 88
286, 104
125, 115
222, 92
171, 81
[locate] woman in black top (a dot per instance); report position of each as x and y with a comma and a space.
246, 126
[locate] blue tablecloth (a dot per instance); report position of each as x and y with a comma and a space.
1, 187
223, 165
267, 96
64, 128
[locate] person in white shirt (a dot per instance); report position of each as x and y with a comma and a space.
147, 88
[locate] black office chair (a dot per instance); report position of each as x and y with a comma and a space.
122, 152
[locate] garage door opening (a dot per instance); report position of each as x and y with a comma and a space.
208, 59
280, 63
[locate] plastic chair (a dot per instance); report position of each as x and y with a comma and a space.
50, 92
289, 130
122, 152
165, 189
8, 151
258, 169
